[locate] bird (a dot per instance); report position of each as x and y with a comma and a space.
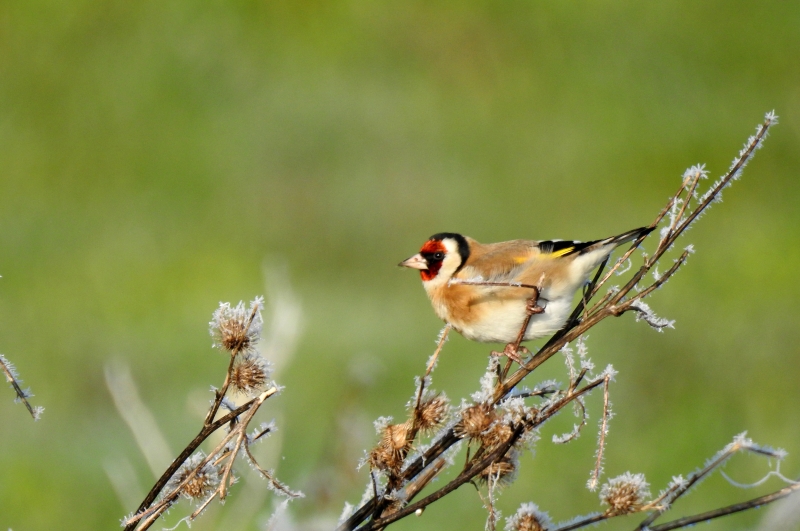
475, 287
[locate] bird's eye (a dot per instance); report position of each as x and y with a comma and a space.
438, 256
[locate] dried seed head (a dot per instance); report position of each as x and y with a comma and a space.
201, 485
237, 329
475, 420
432, 412
528, 518
392, 448
497, 434
250, 373
625, 494
503, 471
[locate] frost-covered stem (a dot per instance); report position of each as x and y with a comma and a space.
730, 509
431, 363
184, 455
220, 394
487, 283
394, 480
743, 159
589, 520
470, 471
461, 479
658, 283
413, 487
170, 497
698, 173
601, 443
155, 515
546, 352
488, 502
22, 396
242, 427
679, 489
203, 506
238, 432
577, 380
687, 521
439, 346
277, 485
522, 329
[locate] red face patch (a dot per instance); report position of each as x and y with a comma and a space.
432, 246
433, 251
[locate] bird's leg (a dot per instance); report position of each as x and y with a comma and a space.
531, 308
512, 350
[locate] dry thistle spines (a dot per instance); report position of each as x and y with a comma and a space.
528, 518
432, 412
625, 494
502, 471
236, 328
475, 420
195, 480
393, 446
22, 395
250, 373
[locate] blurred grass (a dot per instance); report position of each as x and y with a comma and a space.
155, 154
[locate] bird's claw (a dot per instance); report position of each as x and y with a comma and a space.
532, 308
512, 353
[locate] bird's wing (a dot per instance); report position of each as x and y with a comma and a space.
497, 261
521, 260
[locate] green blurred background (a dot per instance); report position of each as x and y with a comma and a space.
160, 157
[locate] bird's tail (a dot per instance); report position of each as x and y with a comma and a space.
626, 237
591, 254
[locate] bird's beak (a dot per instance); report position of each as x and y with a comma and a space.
415, 262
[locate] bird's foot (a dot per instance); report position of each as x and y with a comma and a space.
531, 306
512, 353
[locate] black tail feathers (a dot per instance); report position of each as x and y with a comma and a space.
629, 236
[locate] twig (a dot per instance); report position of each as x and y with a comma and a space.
22, 395
730, 509
473, 470
185, 454
601, 443
168, 499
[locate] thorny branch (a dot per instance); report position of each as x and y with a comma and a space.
203, 478
23, 395
730, 509
482, 422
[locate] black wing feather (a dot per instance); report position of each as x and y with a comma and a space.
563, 247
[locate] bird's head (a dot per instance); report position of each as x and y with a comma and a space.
440, 258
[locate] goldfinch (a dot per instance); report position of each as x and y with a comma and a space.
495, 314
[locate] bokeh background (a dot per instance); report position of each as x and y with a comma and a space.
158, 157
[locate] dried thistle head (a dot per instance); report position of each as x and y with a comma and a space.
503, 471
528, 518
475, 420
392, 447
237, 329
625, 494
432, 412
496, 434
250, 373
201, 485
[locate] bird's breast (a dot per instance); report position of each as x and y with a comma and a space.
490, 316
